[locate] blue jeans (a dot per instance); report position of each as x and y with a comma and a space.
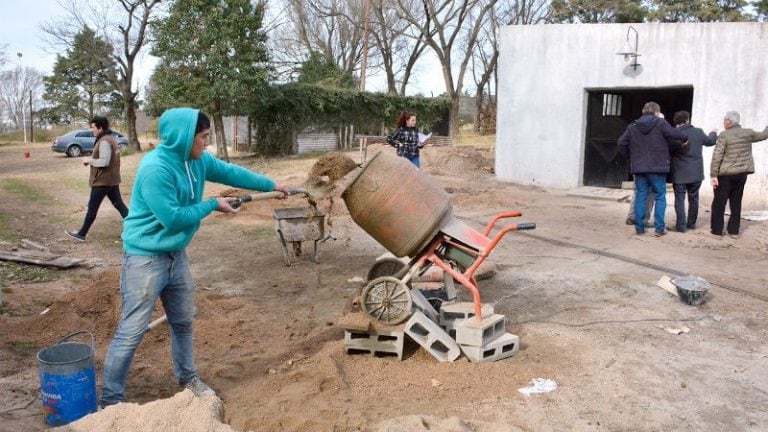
656, 183
414, 160
142, 281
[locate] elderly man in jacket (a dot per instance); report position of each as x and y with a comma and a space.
648, 142
732, 162
688, 171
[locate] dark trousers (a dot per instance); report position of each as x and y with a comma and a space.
97, 196
730, 189
681, 190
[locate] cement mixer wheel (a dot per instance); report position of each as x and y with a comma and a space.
387, 300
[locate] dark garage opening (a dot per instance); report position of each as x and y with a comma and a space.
609, 111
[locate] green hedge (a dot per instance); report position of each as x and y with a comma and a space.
280, 112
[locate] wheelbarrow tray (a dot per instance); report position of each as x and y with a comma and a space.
296, 225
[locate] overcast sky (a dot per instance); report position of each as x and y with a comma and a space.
20, 33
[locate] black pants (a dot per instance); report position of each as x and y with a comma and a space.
730, 189
97, 196
681, 190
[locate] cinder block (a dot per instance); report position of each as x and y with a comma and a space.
480, 332
505, 346
453, 313
421, 304
431, 337
377, 344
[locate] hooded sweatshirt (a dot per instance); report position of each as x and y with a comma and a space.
647, 143
166, 202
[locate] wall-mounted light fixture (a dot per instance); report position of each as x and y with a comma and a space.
630, 51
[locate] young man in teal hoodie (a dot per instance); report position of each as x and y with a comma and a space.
166, 210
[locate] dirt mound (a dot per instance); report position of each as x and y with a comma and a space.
447, 160
95, 308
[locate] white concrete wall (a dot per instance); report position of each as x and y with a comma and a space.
546, 70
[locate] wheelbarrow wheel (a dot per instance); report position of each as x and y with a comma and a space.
386, 299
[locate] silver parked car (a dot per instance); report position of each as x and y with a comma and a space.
81, 142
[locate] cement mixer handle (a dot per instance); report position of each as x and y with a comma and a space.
93, 340
526, 226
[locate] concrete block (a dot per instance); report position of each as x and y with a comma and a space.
504, 346
453, 313
480, 332
420, 303
432, 338
377, 344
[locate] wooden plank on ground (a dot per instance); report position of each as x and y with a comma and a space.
40, 258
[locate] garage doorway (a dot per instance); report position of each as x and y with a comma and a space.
609, 111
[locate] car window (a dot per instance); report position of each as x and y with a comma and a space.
117, 134
85, 134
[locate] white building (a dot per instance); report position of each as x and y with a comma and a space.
565, 96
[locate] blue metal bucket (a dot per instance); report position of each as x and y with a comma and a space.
67, 380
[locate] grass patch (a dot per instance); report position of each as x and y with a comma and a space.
26, 190
17, 272
22, 347
5, 232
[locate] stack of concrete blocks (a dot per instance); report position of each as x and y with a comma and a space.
363, 336
481, 339
445, 334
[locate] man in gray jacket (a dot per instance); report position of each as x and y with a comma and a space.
688, 171
732, 162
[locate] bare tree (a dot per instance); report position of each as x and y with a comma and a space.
486, 55
124, 24
450, 29
17, 86
399, 44
331, 27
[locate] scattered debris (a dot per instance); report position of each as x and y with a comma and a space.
677, 331
666, 284
356, 279
539, 385
32, 245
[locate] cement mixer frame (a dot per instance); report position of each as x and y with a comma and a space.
457, 249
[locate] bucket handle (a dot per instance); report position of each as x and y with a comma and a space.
93, 341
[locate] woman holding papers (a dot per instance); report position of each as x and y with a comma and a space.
407, 139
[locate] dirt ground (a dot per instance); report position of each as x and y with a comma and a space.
580, 292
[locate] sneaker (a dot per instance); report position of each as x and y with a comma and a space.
75, 235
660, 233
630, 221
199, 388
734, 236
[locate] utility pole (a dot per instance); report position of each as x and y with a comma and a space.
364, 62
23, 113
31, 136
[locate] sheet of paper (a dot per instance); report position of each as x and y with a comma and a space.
423, 137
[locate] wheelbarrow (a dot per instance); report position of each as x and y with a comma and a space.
293, 225
296, 225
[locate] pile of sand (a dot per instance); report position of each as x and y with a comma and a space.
182, 413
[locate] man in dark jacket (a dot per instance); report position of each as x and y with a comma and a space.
732, 162
688, 171
648, 142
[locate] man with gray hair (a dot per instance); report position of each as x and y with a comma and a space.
732, 162
648, 142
